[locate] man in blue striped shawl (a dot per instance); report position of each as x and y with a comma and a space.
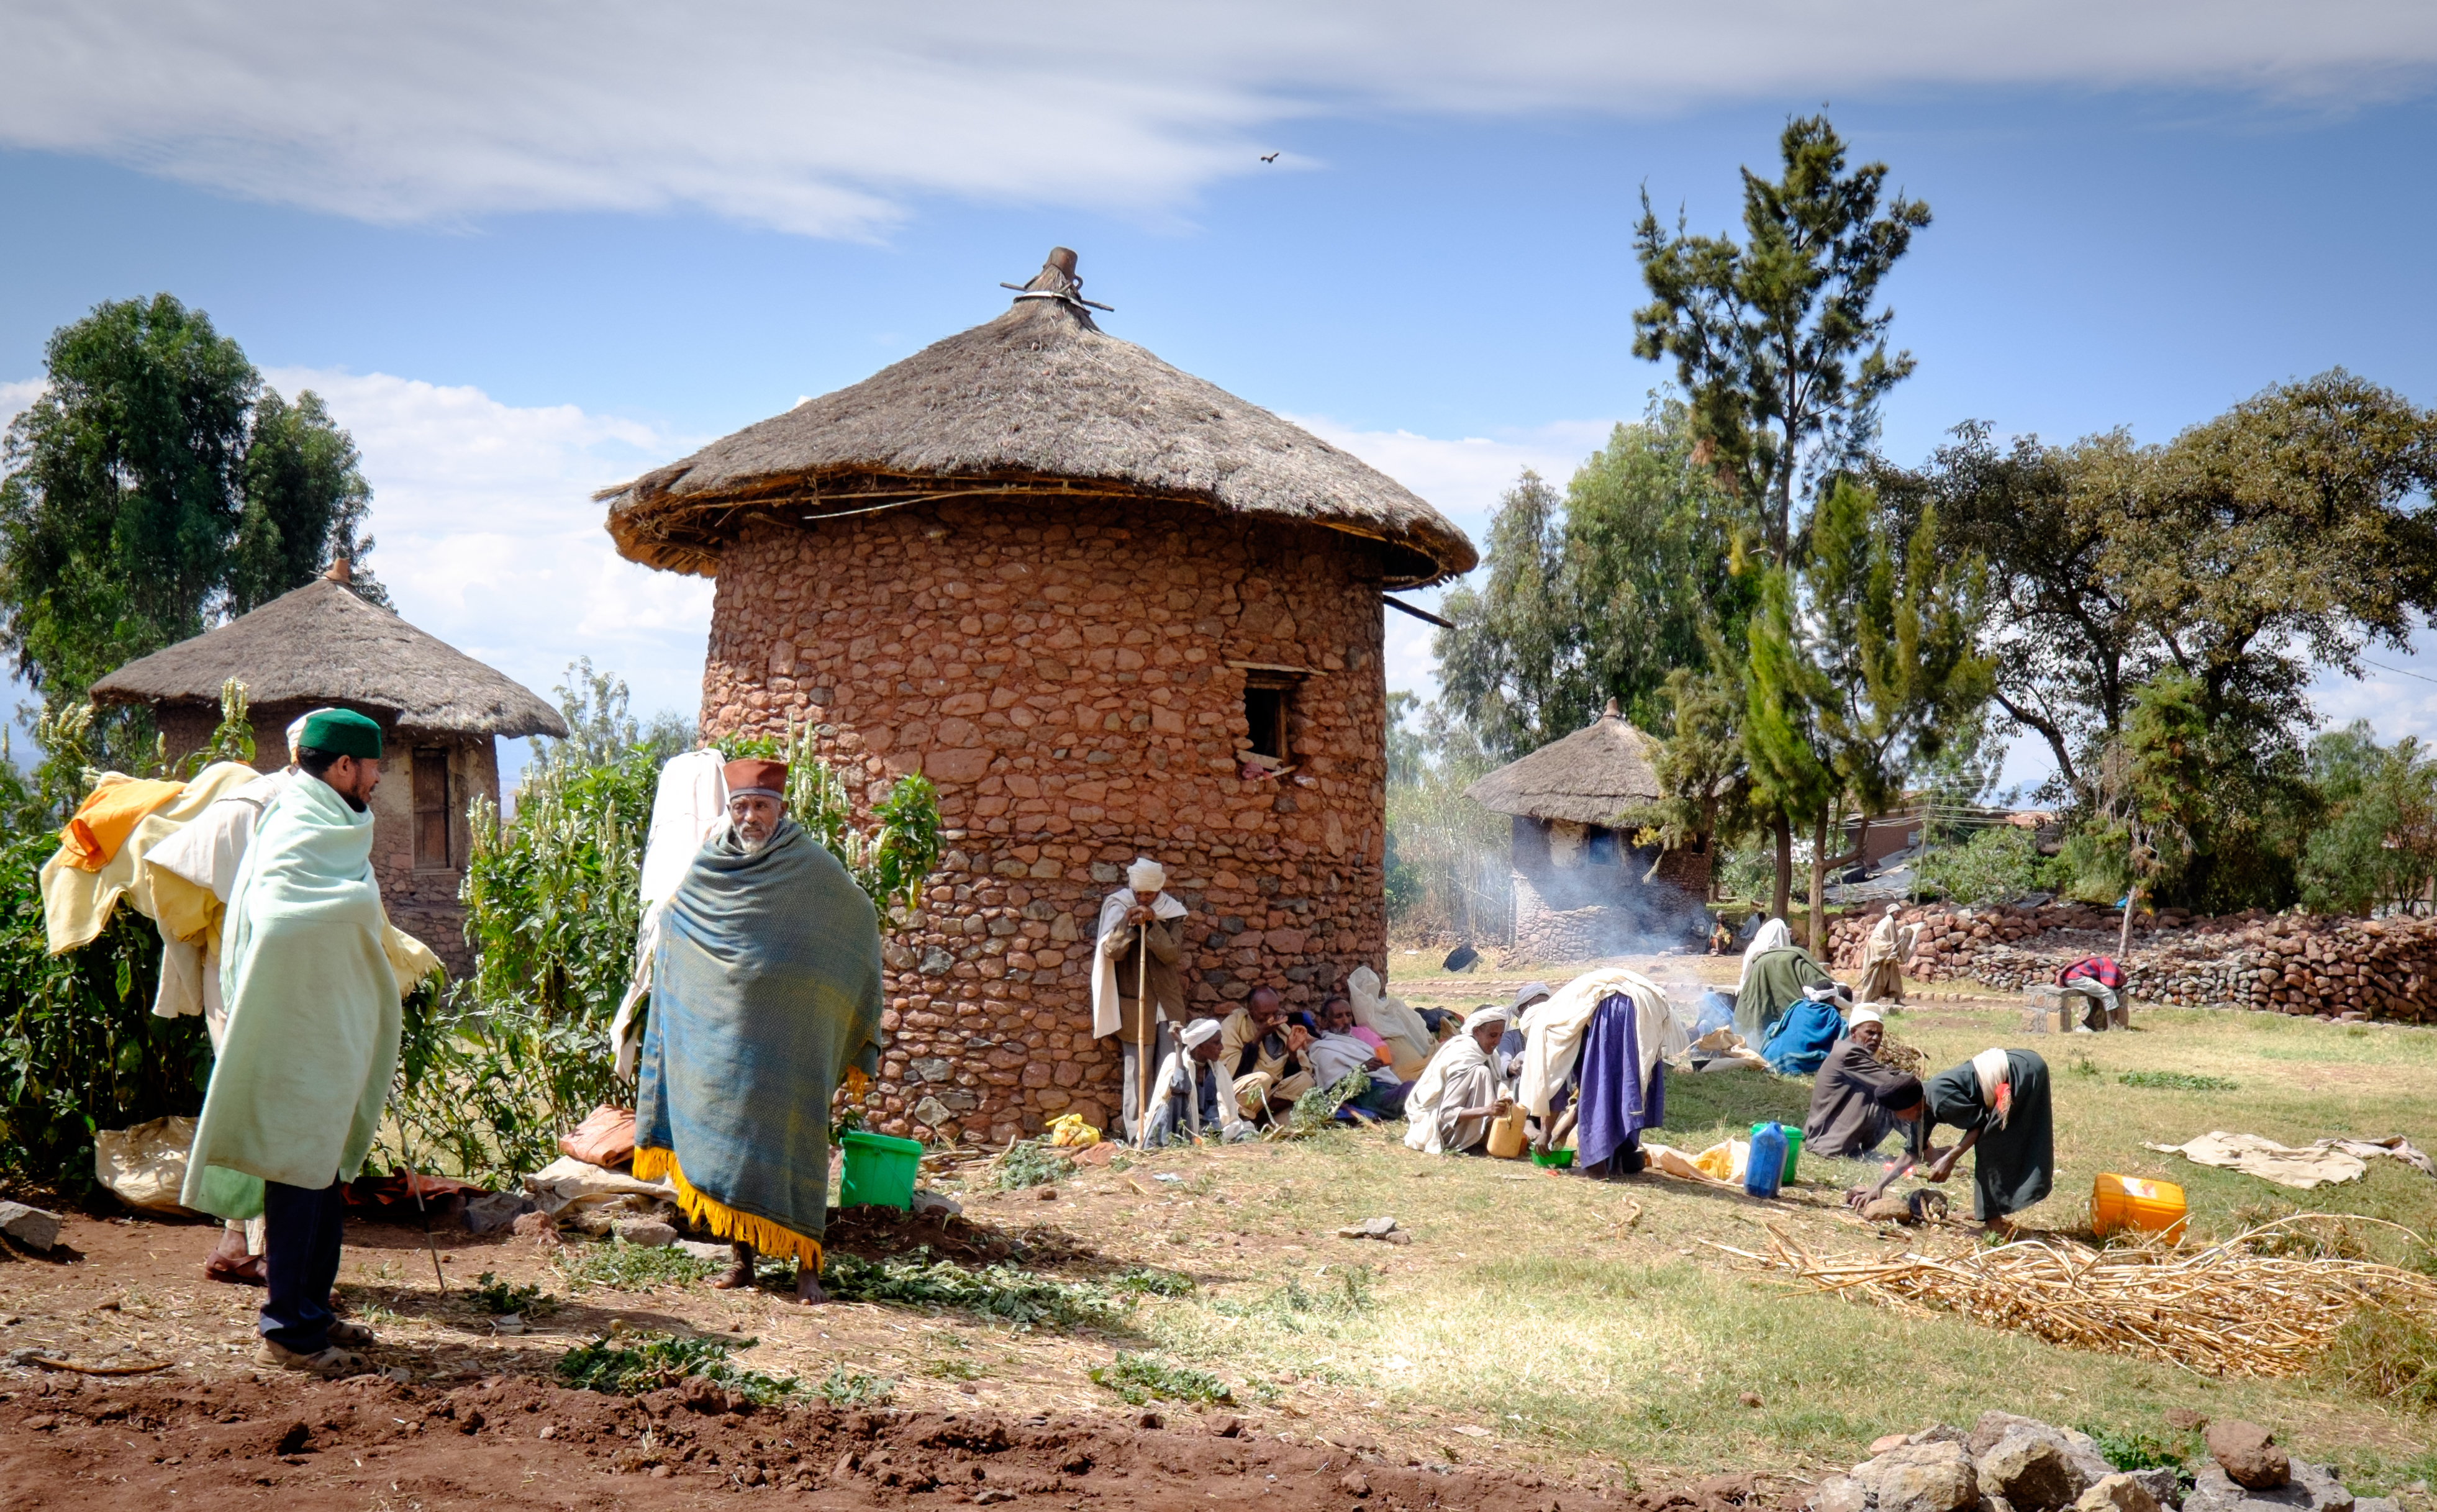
765, 997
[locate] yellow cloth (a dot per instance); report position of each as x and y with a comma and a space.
183, 910
109, 815
409, 959
1071, 1133
722, 1221
78, 903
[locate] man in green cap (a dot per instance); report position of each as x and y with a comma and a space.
303, 1073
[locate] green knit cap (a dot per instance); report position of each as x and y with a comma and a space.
342, 732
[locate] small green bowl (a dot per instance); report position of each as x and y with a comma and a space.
1558, 1158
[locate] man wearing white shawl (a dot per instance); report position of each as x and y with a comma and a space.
1456, 1098
1188, 1096
1773, 935
1138, 978
1882, 958
1408, 1041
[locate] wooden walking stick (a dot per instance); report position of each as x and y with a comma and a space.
1151, 1033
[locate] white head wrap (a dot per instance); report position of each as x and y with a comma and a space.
1483, 1017
1526, 994
296, 731
1199, 1033
1866, 1015
1145, 876
1895, 908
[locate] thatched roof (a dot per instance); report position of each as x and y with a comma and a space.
1590, 776
1037, 402
321, 644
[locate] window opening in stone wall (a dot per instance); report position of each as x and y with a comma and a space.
1269, 698
431, 809
1599, 847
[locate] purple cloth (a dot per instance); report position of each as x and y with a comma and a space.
1615, 1106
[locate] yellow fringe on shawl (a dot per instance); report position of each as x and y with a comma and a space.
723, 1221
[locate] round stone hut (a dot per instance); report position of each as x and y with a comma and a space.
1108, 609
441, 713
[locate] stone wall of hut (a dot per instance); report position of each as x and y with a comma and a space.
2291, 964
1072, 677
1580, 894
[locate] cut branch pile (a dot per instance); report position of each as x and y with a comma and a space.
2228, 1310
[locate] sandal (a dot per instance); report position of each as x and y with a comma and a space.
355, 1336
331, 1363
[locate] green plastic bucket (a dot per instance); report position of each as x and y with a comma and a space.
1793, 1151
879, 1171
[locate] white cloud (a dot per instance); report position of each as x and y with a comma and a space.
1464, 479
488, 537
829, 118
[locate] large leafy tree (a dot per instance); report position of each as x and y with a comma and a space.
155, 486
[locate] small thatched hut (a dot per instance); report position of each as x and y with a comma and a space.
1581, 887
1108, 609
439, 709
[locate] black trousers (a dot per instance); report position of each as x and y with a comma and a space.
302, 1231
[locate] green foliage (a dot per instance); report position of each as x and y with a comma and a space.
2176, 1081
154, 485
1291, 1306
2377, 840
845, 1387
1997, 865
1774, 340
1030, 1163
1448, 867
1139, 1378
1316, 1110
890, 861
1149, 1280
1010, 1293
618, 1266
640, 1362
499, 1298
2130, 1448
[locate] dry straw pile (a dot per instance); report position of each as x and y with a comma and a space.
2248, 1307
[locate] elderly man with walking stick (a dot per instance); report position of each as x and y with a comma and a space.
1138, 986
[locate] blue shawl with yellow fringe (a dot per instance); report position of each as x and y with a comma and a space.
765, 994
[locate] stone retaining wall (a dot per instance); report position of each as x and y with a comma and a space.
1072, 677
2327, 966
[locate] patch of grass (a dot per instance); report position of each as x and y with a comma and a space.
2178, 1082
635, 1364
497, 1298
1142, 1378
1149, 1280
2129, 1449
622, 1267
1030, 1163
845, 1387
2387, 1352
953, 1368
1010, 1293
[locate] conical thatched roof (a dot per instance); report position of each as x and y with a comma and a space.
1037, 402
1590, 776
321, 644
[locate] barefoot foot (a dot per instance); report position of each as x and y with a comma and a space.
738, 1276
808, 1287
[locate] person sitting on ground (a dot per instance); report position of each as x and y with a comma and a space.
1774, 980
1859, 1100
1338, 1053
1722, 937
1186, 1099
1518, 1016
1408, 1034
1999, 1099
765, 998
1761, 934
1261, 1054
1456, 1098
1798, 1041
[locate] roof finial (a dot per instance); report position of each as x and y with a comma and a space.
1057, 280
340, 571
1611, 712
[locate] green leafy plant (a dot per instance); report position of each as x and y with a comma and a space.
635, 1364
953, 1368
1149, 1280
845, 1387
1316, 1109
618, 1266
1996, 866
1142, 1378
2177, 1082
1006, 1291
1030, 1163
499, 1298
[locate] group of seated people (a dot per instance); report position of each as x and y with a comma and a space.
1230, 1075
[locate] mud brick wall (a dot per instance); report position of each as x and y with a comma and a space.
1070, 676
2292, 964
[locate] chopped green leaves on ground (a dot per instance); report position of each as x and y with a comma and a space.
1030, 1163
1141, 1378
2177, 1082
845, 1387
622, 1267
1006, 1291
635, 1364
497, 1298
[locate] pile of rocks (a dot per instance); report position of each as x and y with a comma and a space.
2325, 967
2011, 1464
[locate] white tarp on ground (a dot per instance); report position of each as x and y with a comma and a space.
567, 1182
2324, 1162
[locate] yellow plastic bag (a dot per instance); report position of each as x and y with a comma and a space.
1072, 1132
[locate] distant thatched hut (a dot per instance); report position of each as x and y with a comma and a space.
1108, 609
1581, 887
439, 709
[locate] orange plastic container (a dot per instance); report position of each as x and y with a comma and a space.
2129, 1202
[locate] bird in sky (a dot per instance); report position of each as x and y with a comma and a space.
1269, 157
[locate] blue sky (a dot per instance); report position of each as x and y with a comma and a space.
524, 262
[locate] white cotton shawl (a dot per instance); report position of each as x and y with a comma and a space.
1462, 1061
1554, 1038
1104, 973
1991, 1070
1773, 935
1388, 1017
688, 801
